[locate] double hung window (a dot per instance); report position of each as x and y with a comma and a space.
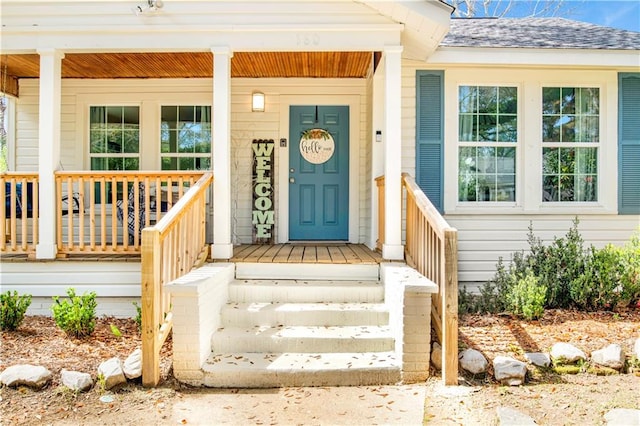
487, 143
114, 137
570, 137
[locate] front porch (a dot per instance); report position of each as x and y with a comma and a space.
103, 95
182, 290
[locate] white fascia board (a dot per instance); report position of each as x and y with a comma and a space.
426, 23
535, 57
163, 39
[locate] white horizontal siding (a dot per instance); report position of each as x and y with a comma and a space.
117, 284
118, 307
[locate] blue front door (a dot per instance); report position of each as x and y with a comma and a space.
319, 173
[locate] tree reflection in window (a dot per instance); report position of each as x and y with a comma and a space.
570, 134
185, 138
487, 137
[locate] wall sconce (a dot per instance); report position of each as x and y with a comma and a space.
257, 102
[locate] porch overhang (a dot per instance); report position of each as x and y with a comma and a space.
107, 40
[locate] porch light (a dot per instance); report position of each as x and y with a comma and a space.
257, 102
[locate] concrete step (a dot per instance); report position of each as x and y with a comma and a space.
306, 291
303, 339
268, 370
319, 314
308, 271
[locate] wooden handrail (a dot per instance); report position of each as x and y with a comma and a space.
431, 247
170, 249
19, 209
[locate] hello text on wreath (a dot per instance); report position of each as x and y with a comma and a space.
317, 146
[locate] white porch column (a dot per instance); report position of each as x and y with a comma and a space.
392, 137
48, 148
222, 247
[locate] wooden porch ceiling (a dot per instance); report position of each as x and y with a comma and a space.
197, 65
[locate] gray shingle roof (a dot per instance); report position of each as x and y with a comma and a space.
546, 33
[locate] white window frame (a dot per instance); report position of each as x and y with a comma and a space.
452, 205
494, 144
530, 83
607, 147
150, 112
137, 155
570, 145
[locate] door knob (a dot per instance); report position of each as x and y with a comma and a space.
292, 180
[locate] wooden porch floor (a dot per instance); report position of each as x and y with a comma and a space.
306, 253
279, 253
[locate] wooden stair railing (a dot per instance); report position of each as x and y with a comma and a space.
431, 247
170, 250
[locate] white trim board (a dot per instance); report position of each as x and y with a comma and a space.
107, 279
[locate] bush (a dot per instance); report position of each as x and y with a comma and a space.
630, 266
75, 316
526, 298
12, 309
558, 265
599, 286
572, 276
138, 318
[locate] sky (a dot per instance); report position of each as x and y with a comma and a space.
621, 14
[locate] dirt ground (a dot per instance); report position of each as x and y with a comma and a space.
547, 397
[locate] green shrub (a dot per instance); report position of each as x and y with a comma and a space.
75, 316
558, 265
526, 298
572, 276
138, 318
599, 286
630, 267
12, 309
493, 293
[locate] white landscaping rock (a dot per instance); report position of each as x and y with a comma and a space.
112, 372
509, 371
32, 376
538, 359
133, 365
636, 349
567, 353
473, 361
622, 416
76, 380
508, 416
611, 357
